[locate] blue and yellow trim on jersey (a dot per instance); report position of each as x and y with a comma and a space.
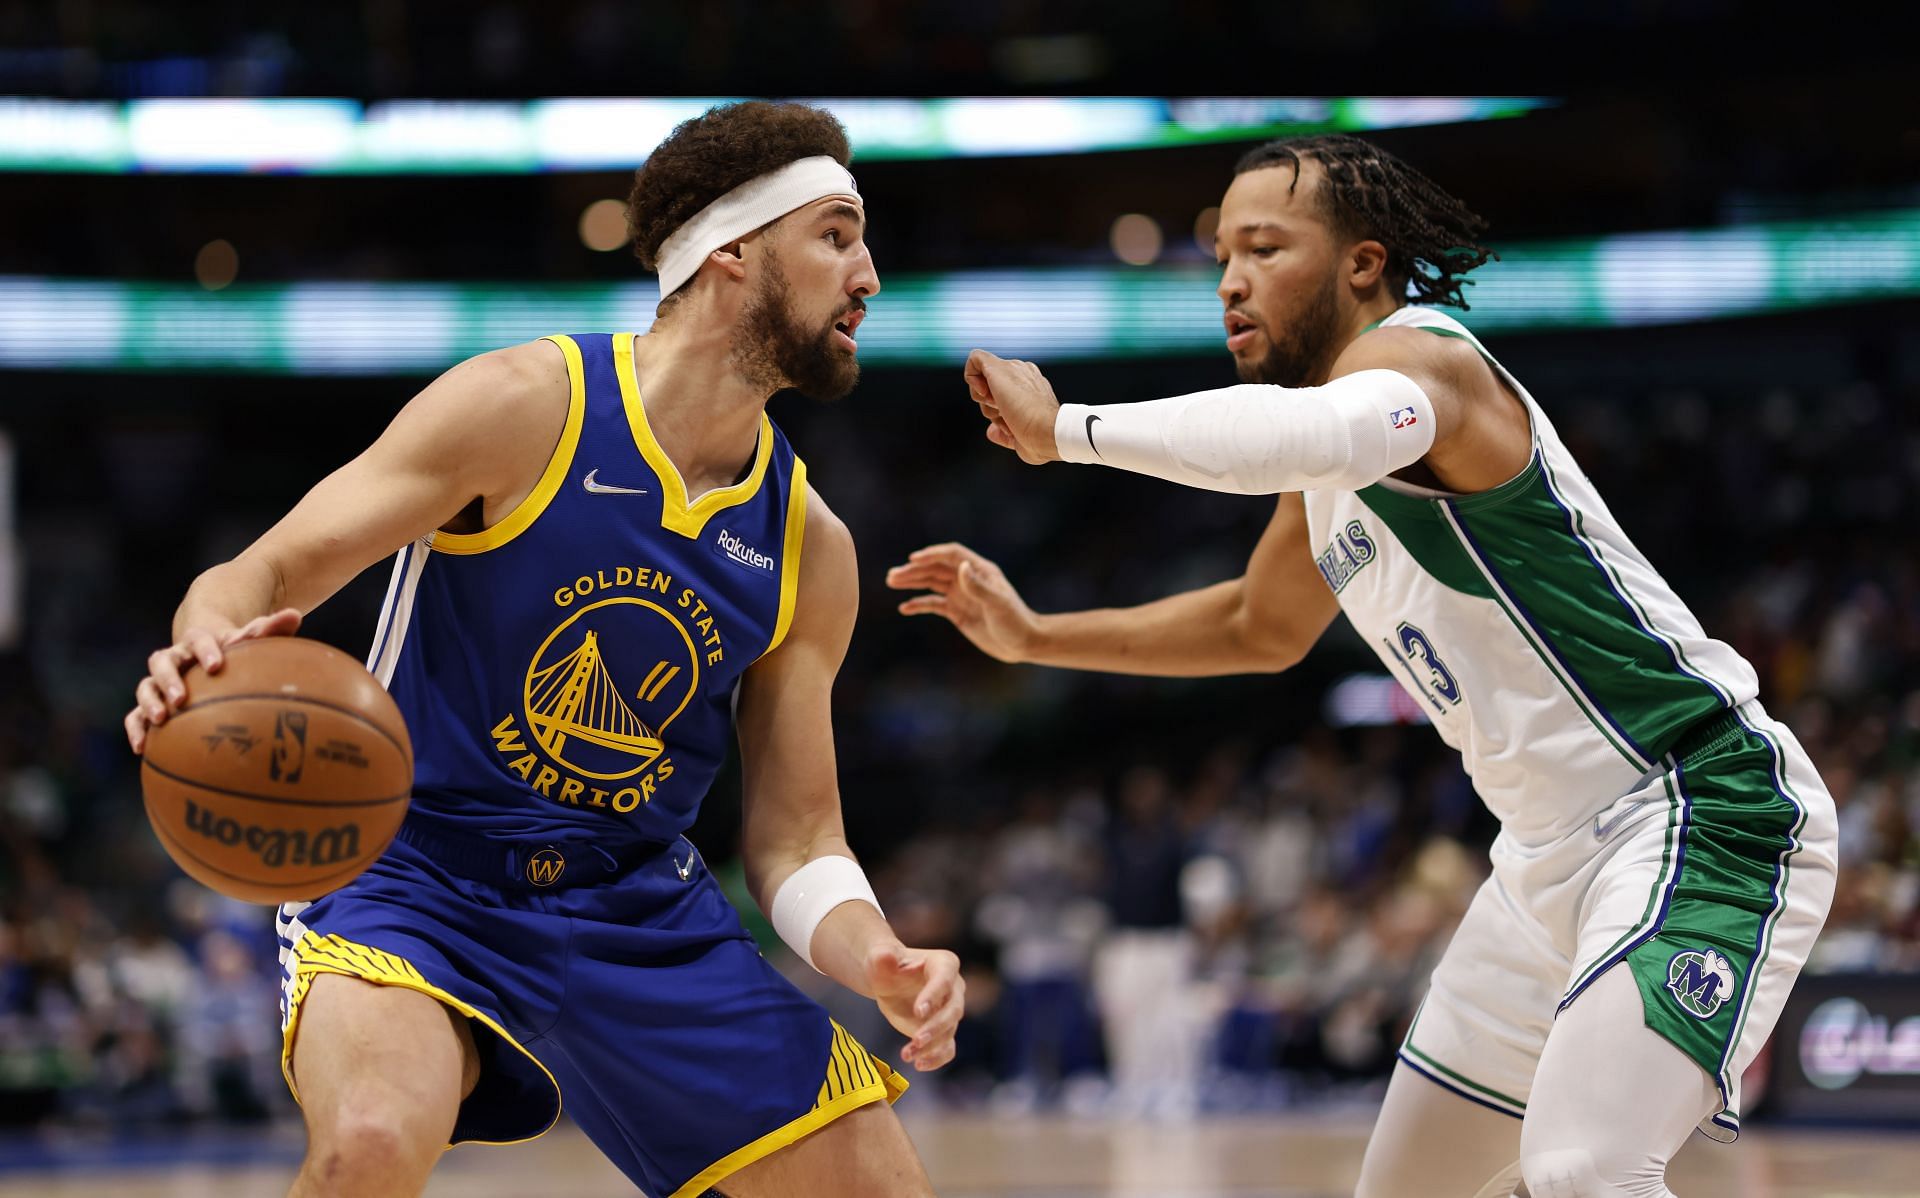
676, 514
528, 510
855, 1078
790, 554
314, 954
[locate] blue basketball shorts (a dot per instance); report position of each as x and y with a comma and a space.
625, 988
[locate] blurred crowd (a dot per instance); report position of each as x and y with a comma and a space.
1169, 896
1259, 932
134, 1020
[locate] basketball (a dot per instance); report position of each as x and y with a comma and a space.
284, 774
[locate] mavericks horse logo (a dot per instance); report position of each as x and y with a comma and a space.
604, 685
1700, 981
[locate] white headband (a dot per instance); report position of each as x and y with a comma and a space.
759, 201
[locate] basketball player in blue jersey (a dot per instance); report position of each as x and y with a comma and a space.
610, 564
1667, 850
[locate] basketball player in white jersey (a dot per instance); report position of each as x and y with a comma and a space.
1667, 851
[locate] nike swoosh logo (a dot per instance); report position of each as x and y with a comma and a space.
598, 488
1090, 444
1601, 831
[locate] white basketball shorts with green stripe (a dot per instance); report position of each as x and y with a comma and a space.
1710, 882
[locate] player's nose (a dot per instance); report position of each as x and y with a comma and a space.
1233, 286
866, 279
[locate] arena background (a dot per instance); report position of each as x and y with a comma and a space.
1710, 278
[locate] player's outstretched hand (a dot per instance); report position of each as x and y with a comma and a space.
922, 994
1019, 405
163, 691
971, 593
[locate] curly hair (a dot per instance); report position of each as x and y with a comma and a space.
706, 157
1369, 193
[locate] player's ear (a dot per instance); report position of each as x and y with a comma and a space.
731, 259
1366, 263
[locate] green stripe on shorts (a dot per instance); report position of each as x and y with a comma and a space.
1696, 972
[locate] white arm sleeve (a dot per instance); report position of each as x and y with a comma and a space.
1261, 440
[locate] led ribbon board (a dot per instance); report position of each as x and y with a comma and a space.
1049, 315
408, 137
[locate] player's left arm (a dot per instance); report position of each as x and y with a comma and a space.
1482, 433
1394, 397
792, 820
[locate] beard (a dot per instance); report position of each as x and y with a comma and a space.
776, 349
1300, 355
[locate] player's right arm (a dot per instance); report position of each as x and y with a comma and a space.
1262, 622
469, 436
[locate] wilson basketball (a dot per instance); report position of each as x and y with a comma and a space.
284, 775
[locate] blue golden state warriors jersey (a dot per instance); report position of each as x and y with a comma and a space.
569, 672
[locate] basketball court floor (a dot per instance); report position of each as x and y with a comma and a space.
1312, 1156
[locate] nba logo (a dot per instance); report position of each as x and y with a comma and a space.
1403, 418
289, 746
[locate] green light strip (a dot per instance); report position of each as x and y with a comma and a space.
402, 137
1049, 315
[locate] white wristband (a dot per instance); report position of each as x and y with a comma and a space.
812, 891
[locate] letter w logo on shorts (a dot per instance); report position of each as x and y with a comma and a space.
545, 867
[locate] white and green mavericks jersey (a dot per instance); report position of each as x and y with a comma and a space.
1570, 677
1543, 645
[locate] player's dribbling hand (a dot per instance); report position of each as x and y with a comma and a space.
1019, 405
923, 996
163, 691
971, 593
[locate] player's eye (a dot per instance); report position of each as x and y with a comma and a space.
833, 235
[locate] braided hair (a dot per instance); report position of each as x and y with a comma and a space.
1368, 193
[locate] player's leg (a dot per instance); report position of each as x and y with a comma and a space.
381, 1072
1431, 1142
702, 1068
865, 1154
1612, 1102
1658, 1033
1450, 1125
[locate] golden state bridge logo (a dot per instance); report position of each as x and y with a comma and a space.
604, 687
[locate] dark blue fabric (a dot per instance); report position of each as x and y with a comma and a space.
673, 621
674, 1043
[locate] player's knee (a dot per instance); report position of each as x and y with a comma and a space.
376, 1133
361, 1156
1563, 1173
1579, 1173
